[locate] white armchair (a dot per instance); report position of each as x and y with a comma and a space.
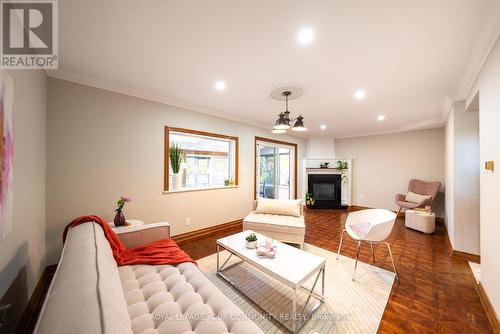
372, 226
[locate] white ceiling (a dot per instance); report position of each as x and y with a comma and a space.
409, 56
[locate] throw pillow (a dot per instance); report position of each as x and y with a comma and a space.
279, 207
416, 198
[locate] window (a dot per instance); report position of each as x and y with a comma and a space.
275, 169
209, 160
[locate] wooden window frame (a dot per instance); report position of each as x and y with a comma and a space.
199, 133
279, 142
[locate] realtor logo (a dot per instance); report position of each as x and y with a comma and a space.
29, 35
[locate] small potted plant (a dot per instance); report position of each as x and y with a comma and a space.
176, 157
251, 240
341, 166
309, 200
226, 182
120, 217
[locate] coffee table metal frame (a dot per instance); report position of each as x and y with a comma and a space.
298, 319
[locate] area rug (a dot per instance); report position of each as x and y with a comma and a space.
350, 307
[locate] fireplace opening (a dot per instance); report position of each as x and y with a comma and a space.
326, 189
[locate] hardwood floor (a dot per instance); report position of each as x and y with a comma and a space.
435, 293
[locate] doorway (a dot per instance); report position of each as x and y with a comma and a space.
275, 169
467, 205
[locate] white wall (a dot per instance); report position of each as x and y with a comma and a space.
488, 86
321, 147
102, 145
462, 163
450, 177
383, 165
22, 253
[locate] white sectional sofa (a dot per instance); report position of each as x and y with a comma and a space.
91, 294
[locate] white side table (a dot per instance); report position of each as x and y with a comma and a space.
129, 223
420, 221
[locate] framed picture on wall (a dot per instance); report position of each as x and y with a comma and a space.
6, 152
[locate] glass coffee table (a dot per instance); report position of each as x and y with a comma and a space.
292, 267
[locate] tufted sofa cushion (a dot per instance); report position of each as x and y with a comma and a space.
91, 294
169, 299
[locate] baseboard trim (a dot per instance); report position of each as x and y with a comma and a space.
357, 208
205, 232
30, 315
488, 308
466, 256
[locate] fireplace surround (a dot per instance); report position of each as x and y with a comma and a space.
326, 189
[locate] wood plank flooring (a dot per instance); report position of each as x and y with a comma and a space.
436, 292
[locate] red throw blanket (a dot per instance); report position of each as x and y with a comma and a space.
160, 252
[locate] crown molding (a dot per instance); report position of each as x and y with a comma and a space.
423, 125
485, 43
121, 89
142, 94
487, 38
145, 95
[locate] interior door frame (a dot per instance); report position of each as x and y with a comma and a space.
279, 142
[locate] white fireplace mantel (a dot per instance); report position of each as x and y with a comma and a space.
312, 166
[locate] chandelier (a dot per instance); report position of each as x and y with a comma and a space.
282, 124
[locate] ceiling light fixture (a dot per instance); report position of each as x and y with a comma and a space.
282, 124
305, 36
322, 127
360, 94
380, 117
220, 85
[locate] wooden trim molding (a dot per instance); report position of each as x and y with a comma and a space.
206, 232
466, 256
30, 315
166, 159
198, 133
488, 308
353, 208
211, 153
274, 141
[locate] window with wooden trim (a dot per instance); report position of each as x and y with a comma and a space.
207, 160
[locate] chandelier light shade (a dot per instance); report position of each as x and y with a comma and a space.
299, 124
283, 122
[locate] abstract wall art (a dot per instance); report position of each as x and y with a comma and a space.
6, 152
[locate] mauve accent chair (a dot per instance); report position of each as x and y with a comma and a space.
419, 187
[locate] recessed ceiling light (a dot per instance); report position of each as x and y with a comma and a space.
322, 127
220, 85
380, 117
360, 94
305, 36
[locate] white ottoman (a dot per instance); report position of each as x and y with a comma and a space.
420, 221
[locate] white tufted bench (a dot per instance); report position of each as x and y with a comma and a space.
283, 227
91, 294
